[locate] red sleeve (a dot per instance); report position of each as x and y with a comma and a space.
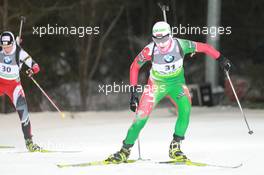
134, 69
207, 49
139, 61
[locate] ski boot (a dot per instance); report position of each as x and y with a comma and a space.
120, 156
175, 151
32, 147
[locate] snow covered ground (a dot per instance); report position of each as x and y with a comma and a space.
215, 135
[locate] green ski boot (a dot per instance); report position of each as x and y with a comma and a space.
32, 147
175, 151
120, 156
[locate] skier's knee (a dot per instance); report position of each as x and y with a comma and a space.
140, 122
22, 109
21, 103
25, 122
187, 93
142, 113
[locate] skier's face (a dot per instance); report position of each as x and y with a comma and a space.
163, 42
8, 48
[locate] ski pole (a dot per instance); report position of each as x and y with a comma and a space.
138, 141
139, 152
22, 20
232, 87
164, 8
46, 95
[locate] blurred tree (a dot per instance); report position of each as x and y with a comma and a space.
88, 49
125, 28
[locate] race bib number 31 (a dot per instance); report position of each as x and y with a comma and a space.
168, 67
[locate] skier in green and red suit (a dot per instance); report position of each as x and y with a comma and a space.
166, 80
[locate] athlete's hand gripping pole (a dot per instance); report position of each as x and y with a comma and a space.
133, 98
46, 95
231, 84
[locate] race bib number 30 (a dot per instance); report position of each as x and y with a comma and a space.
9, 71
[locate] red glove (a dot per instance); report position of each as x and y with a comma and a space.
34, 70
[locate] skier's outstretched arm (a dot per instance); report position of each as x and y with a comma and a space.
213, 53
192, 47
207, 49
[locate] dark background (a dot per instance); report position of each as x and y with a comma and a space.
73, 66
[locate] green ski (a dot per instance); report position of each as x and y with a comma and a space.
44, 151
6, 147
171, 162
57, 151
94, 163
191, 163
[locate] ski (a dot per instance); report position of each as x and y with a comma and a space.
93, 163
6, 147
200, 164
42, 151
171, 162
57, 151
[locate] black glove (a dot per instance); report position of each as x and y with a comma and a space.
133, 99
225, 63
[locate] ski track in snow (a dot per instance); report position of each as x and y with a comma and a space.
216, 135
